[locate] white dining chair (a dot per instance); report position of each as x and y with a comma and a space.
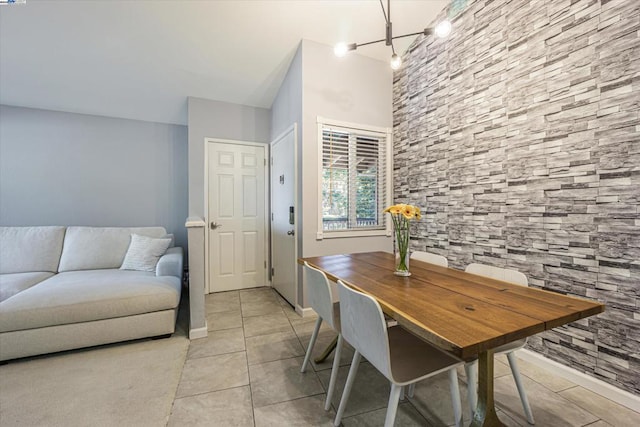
400, 356
471, 368
320, 298
431, 258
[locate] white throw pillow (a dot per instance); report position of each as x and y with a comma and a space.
144, 252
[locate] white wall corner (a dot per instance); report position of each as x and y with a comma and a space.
194, 221
198, 333
305, 312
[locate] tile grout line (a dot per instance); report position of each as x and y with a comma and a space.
244, 337
580, 404
310, 361
184, 362
253, 408
209, 392
325, 390
559, 394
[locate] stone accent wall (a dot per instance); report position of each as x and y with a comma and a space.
520, 136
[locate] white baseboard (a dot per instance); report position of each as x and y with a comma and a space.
595, 385
305, 312
197, 333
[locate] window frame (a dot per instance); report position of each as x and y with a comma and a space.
376, 131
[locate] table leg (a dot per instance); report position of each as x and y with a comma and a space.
485, 414
327, 351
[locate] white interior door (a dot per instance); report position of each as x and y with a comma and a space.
283, 216
236, 216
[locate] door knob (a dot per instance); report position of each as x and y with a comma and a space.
291, 232
215, 225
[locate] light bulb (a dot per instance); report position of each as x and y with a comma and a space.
340, 49
443, 29
396, 62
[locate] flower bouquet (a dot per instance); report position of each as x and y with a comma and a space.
401, 214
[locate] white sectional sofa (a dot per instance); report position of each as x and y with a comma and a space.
62, 288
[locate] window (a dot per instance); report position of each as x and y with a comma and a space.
355, 178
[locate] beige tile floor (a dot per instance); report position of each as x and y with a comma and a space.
247, 373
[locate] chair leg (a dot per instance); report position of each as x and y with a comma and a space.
412, 389
334, 373
314, 337
523, 394
471, 370
455, 397
355, 363
392, 407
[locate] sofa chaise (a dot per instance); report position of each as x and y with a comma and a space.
63, 288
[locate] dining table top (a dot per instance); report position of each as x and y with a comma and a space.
460, 312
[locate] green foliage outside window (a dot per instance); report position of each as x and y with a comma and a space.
335, 198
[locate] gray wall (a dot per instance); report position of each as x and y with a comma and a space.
287, 105
216, 119
355, 89
285, 111
213, 119
519, 136
73, 169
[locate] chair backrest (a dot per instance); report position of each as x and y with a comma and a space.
319, 294
364, 327
430, 258
504, 274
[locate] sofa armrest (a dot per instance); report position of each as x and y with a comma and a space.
170, 264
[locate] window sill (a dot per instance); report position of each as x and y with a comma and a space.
321, 235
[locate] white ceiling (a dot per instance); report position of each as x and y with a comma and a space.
141, 59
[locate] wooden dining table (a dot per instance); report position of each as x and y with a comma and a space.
463, 313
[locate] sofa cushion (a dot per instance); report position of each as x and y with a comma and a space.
171, 237
28, 249
84, 296
90, 248
144, 252
13, 283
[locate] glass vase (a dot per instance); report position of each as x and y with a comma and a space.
402, 262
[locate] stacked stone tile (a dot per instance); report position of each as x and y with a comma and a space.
520, 137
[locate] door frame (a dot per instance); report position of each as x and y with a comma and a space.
267, 175
293, 128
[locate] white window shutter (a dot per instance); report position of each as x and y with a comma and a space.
354, 178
